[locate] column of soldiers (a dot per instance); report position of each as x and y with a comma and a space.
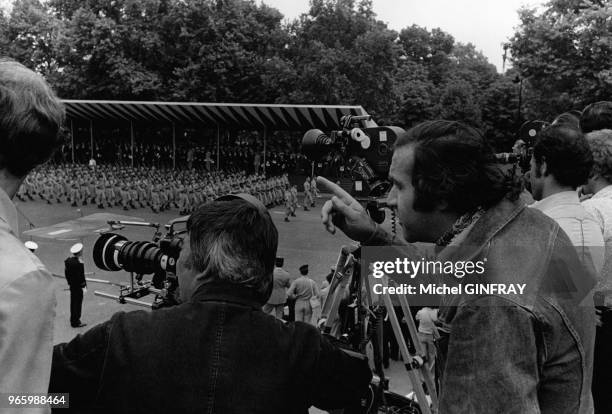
140, 187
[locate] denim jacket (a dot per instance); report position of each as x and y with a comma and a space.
218, 353
530, 353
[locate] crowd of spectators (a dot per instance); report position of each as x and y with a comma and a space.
281, 156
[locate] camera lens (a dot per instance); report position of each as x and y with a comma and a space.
105, 251
114, 252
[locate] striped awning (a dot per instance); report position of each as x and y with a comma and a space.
223, 115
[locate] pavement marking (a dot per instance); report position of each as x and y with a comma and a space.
53, 233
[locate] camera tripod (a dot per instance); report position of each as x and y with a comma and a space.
347, 278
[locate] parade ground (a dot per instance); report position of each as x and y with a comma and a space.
301, 241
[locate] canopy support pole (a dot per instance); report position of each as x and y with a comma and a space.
72, 139
218, 147
265, 138
173, 146
91, 148
132, 143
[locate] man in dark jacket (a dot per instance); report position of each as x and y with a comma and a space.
217, 352
75, 275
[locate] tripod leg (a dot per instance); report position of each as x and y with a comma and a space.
410, 363
343, 278
418, 346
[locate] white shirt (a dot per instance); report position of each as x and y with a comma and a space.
600, 207
27, 312
582, 229
426, 317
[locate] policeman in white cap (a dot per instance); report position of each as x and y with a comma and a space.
32, 246
75, 275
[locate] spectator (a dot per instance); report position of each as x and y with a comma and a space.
217, 351
30, 120
561, 162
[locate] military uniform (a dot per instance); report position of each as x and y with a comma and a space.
288, 203
307, 195
75, 276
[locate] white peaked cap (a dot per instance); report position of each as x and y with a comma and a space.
31, 245
76, 248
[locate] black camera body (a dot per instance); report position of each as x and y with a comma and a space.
523, 147
366, 149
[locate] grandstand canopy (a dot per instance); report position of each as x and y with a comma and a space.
213, 115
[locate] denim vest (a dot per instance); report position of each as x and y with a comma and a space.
530, 353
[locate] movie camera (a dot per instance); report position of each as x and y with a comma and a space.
349, 317
114, 252
365, 148
523, 146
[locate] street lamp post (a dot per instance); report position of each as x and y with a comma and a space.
519, 81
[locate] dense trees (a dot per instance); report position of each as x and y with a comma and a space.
564, 54
336, 53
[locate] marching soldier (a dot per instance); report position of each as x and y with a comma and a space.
183, 201
314, 190
307, 195
288, 203
294, 200
100, 195
109, 194
124, 194
155, 199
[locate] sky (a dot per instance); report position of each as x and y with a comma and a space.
485, 23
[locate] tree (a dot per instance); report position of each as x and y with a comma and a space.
432, 49
224, 50
457, 103
416, 94
29, 35
109, 49
343, 55
500, 111
564, 52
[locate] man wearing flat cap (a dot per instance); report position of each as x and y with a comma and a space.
75, 275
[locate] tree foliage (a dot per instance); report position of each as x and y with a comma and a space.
243, 51
564, 52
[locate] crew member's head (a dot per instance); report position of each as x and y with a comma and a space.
441, 170
77, 249
231, 244
600, 143
30, 120
596, 116
304, 270
568, 119
561, 161
31, 246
